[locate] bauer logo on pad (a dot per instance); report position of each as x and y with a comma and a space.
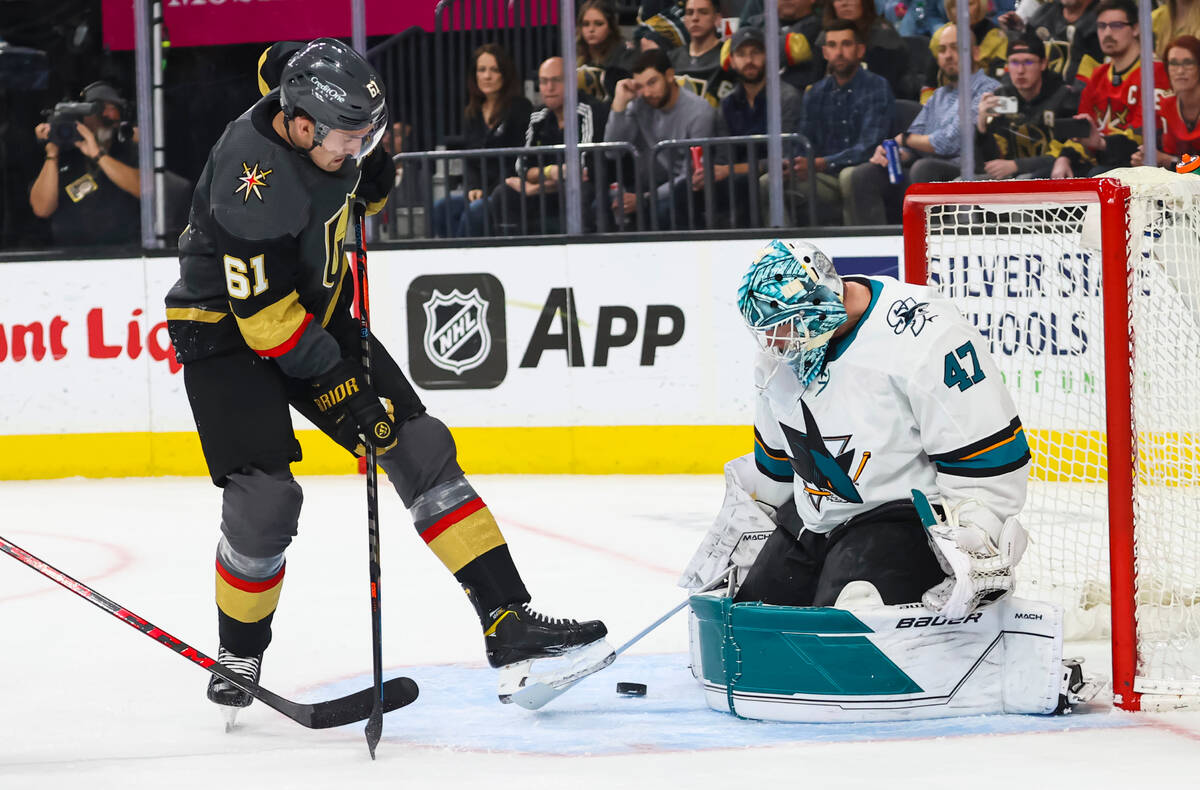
456, 331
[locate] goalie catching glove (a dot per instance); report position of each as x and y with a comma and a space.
976, 551
344, 396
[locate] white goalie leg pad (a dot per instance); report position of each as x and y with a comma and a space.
738, 532
882, 663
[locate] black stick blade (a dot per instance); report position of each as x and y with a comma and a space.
397, 693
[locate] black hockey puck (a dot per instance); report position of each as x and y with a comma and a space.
632, 689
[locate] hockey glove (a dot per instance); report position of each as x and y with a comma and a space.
344, 396
378, 178
978, 561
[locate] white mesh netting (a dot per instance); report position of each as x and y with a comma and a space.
1029, 277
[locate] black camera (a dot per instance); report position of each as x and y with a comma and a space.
65, 115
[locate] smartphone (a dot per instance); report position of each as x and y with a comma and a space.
1005, 105
1070, 128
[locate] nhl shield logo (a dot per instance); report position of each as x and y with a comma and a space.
457, 338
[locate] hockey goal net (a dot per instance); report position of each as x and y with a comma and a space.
1087, 292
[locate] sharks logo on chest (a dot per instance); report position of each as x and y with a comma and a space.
826, 464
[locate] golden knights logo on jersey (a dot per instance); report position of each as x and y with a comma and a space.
825, 464
456, 331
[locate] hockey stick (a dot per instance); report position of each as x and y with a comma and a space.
537, 694
374, 728
398, 692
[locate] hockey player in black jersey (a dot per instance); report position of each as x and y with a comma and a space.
260, 319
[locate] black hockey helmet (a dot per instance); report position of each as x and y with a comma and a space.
335, 86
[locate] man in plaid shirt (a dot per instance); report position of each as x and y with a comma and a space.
846, 115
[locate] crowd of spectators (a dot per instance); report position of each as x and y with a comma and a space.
1055, 91
1054, 86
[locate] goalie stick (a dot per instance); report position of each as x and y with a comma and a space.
397, 692
535, 695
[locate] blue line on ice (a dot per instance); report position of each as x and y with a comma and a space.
458, 709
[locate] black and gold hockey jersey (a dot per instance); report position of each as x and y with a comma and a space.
261, 261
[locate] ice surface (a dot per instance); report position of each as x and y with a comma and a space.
88, 703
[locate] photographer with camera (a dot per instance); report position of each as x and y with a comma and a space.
89, 184
1024, 127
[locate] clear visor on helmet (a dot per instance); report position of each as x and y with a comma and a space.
357, 143
787, 340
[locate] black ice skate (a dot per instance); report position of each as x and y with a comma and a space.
518, 636
228, 696
518, 633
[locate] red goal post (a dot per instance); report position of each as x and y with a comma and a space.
1115, 486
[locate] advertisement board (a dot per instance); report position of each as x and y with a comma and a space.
558, 358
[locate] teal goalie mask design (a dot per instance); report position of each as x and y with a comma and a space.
791, 298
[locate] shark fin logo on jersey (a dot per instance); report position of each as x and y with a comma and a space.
457, 338
909, 314
251, 180
826, 473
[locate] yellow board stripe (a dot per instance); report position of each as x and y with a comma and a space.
587, 450
247, 607
467, 540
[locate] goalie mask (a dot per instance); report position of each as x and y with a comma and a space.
791, 298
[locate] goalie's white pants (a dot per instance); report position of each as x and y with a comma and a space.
881, 663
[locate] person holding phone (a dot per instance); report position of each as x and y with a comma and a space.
1015, 125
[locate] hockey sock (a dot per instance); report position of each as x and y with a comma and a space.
245, 608
458, 527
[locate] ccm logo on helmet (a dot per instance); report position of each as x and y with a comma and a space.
327, 90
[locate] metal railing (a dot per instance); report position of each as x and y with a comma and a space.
519, 189
424, 202
723, 200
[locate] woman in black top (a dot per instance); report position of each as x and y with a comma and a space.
496, 117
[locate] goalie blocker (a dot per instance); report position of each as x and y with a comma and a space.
883, 663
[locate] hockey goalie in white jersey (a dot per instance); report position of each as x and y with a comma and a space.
874, 399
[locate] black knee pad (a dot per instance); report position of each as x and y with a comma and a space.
423, 457
260, 511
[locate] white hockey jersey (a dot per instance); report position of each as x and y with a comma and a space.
910, 399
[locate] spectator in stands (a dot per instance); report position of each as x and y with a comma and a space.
1112, 99
601, 56
1172, 19
700, 59
89, 186
916, 17
496, 117
846, 115
744, 112
1073, 48
799, 54
930, 146
1179, 115
992, 45
651, 107
545, 128
663, 19
1023, 143
886, 54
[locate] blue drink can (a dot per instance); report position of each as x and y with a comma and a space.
892, 150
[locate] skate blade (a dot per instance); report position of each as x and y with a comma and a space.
230, 714
557, 675
512, 677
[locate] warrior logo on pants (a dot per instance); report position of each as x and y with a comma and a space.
456, 331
